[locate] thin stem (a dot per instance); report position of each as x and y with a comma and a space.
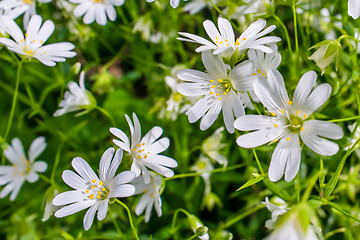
45, 178
295, 28
14, 100
223, 15
57, 159
173, 223
130, 218
103, 111
258, 162
344, 119
243, 215
200, 173
286, 33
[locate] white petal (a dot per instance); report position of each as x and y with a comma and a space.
166, 172
74, 180
124, 190
36, 148
312, 131
83, 169
211, 115
39, 166
114, 164
256, 122
124, 143
136, 168
174, 3
159, 146
68, 197
32, 177
304, 87
287, 153
73, 208
260, 137
143, 202
354, 8
103, 208
137, 130
162, 160
200, 108
124, 177
318, 97
231, 106
89, 217
241, 76
152, 135
105, 162
214, 65
226, 30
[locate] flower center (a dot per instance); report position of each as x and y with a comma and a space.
222, 43
237, 43
259, 72
220, 87
27, 2
177, 97
96, 189
139, 152
295, 123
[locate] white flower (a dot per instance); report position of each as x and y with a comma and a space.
251, 6
96, 10
32, 45
145, 151
218, 88
49, 207
354, 8
204, 166
264, 62
17, 7
91, 191
292, 230
23, 168
213, 145
196, 6
173, 3
151, 195
289, 120
75, 99
225, 40
276, 210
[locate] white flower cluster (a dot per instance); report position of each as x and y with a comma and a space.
230, 88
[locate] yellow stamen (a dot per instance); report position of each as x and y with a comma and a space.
289, 102
101, 183
259, 71
273, 114
91, 196
254, 74
145, 156
219, 98
287, 139
211, 93
275, 125
93, 181
302, 129
217, 94
244, 39
138, 145
305, 116
103, 189
98, 196
99, 193
93, 187
87, 191
211, 80
282, 111
220, 80
224, 93
213, 86
139, 157
297, 112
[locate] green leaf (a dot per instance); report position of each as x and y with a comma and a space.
315, 203
251, 182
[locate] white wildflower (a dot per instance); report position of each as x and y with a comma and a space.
77, 98
224, 40
289, 121
151, 195
145, 151
91, 191
219, 90
23, 168
32, 45
213, 145
15, 8
96, 10
277, 209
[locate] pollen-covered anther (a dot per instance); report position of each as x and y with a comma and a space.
287, 139
305, 116
211, 93
220, 80
297, 112
289, 102
273, 114
275, 125
217, 94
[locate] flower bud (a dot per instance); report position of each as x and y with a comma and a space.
326, 51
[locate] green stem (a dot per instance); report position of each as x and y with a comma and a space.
224, 16
258, 162
200, 173
295, 28
14, 100
107, 114
330, 186
344, 119
56, 163
286, 33
173, 223
335, 206
332, 233
130, 218
45, 178
243, 215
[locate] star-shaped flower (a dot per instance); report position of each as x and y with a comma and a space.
289, 122
23, 168
91, 191
145, 151
32, 45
